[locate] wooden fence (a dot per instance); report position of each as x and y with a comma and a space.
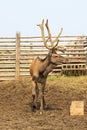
16, 54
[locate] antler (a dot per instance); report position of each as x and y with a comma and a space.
49, 35
42, 32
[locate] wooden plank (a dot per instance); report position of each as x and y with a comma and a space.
5, 37
73, 64
24, 70
7, 65
27, 50
7, 78
30, 57
10, 54
25, 62
74, 45
7, 49
7, 41
80, 57
40, 40
24, 73
69, 36
77, 62
7, 70
74, 69
32, 46
7, 62
24, 65
17, 73
75, 53
7, 74
6, 58
75, 49
7, 45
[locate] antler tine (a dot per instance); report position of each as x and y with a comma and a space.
42, 33
57, 38
49, 33
50, 38
42, 29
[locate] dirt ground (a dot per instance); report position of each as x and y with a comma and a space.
15, 110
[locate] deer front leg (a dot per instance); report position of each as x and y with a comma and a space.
35, 93
42, 98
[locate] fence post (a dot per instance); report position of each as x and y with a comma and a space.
17, 71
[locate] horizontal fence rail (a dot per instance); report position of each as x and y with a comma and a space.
17, 53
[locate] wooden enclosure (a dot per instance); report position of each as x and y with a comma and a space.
16, 54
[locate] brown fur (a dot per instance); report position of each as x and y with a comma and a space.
39, 71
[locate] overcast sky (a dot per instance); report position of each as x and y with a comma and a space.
23, 15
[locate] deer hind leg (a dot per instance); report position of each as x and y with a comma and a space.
35, 93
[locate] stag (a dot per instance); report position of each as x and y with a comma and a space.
40, 68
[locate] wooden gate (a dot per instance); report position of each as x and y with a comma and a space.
16, 54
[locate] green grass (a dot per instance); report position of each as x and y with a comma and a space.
74, 83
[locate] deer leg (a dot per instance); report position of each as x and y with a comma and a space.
35, 93
42, 99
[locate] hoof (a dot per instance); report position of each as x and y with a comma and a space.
33, 108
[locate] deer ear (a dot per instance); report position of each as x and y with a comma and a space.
53, 50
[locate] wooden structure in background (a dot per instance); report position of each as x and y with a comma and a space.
76, 53
16, 54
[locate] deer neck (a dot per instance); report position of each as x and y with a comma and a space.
45, 63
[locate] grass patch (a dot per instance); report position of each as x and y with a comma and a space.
78, 83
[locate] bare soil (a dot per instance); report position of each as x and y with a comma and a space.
15, 100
